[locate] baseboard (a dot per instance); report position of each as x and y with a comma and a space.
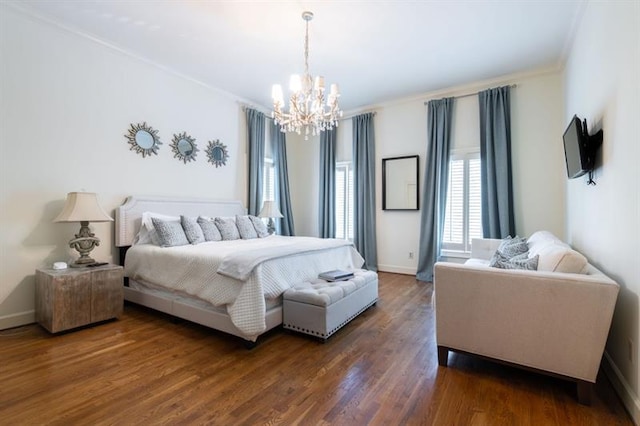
16, 320
627, 395
397, 269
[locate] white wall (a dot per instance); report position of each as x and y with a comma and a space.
66, 103
401, 129
602, 84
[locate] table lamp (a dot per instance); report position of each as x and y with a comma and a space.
83, 207
270, 210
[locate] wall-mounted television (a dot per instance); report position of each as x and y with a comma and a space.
580, 148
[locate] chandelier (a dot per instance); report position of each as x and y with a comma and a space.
308, 109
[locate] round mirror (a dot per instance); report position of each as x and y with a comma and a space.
217, 153
184, 147
143, 139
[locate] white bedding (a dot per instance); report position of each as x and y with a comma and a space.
193, 270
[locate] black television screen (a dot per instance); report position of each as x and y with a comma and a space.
576, 151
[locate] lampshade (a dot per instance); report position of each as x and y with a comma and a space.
269, 209
82, 207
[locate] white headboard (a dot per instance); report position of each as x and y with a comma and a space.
129, 215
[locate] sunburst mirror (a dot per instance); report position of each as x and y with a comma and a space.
217, 153
184, 147
143, 139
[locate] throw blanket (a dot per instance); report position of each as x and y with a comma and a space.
240, 265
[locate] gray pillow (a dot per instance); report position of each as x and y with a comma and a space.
209, 229
510, 247
192, 230
170, 234
516, 262
261, 228
245, 228
227, 228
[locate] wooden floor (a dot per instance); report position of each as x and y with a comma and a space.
381, 369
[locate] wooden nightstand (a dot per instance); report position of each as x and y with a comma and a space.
74, 297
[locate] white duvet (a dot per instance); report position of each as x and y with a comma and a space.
270, 265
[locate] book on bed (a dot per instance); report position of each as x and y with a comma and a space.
335, 275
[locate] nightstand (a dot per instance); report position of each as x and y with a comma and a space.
74, 297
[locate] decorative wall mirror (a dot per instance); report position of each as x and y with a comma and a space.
143, 139
400, 189
184, 147
217, 153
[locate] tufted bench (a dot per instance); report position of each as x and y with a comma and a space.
321, 308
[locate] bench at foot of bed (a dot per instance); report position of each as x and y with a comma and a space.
320, 308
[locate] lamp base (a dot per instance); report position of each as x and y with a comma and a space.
84, 242
271, 226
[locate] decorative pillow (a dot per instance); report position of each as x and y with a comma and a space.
517, 262
169, 234
510, 247
147, 233
261, 228
245, 228
209, 229
192, 230
227, 228
561, 258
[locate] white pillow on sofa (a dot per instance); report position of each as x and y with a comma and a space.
560, 258
555, 254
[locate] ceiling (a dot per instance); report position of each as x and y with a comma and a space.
376, 51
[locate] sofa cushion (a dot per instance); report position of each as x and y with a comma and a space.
555, 254
556, 257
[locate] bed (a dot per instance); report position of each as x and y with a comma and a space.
232, 286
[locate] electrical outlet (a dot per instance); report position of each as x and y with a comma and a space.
410, 255
630, 350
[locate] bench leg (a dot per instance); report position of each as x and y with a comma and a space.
443, 356
585, 390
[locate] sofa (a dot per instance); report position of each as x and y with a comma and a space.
553, 320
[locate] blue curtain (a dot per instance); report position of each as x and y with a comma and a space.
283, 197
364, 183
255, 136
495, 170
327, 201
436, 176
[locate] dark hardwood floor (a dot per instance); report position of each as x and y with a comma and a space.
147, 368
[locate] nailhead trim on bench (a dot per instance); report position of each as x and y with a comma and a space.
327, 335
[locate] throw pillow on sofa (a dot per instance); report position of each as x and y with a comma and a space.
521, 261
555, 254
511, 247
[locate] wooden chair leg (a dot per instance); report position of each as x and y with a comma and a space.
443, 356
585, 390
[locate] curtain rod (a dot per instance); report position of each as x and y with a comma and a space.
466, 95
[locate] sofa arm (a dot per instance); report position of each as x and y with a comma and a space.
550, 321
483, 248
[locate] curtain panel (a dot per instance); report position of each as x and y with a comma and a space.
283, 196
255, 139
440, 117
327, 193
495, 169
364, 183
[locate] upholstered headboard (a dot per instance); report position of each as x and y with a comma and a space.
129, 215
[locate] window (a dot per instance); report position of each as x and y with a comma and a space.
344, 200
268, 180
463, 213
